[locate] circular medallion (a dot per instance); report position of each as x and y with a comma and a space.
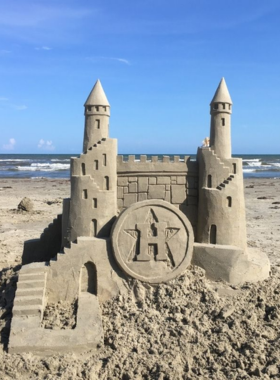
152, 241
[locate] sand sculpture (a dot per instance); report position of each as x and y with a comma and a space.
147, 219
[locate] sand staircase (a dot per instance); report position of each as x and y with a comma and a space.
222, 169
30, 294
62, 255
89, 151
96, 145
222, 185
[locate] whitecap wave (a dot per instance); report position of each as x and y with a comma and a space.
251, 159
44, 167
16, 160
254, 163
60, 160
51, 166
249, 170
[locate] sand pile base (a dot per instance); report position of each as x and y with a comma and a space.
189, 328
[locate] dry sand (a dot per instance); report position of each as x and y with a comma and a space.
190, 328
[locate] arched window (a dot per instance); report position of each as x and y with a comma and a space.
213, 234
93, 228
106, 183
88, 278
209, 181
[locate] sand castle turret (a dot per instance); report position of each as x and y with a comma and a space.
97, 114
220, 110
221, 216
94, 174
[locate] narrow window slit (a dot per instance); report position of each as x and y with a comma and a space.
93, 228
97, 124
209, 181
106, 183
85, 194
213, 234
83, 169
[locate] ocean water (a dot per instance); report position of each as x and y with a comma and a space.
58, 165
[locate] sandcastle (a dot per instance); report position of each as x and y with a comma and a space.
142, 219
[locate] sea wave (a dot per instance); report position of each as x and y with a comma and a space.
60, 160
251, 159
44, 167
15, 160
52, 166
249, 170
253, 163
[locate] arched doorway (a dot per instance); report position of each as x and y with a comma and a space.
88, 278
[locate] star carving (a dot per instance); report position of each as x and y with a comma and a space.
152, 243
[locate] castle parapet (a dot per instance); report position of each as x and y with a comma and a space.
165, 164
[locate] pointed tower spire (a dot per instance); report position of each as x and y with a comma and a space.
220, 110
222, 94
97, 96
97, 113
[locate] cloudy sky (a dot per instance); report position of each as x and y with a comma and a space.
159, 63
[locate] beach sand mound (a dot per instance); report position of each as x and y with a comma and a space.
25, 205
189, 328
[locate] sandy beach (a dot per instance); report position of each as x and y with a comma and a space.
196, 330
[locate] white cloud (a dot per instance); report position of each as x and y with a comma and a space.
10, 145
47, 48
121, 60
41, 143
46, 145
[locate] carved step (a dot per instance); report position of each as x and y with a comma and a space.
30, 292
57, 257
26, 269
24, 300
219, 187
226, 181
30, 284
27, 310
31, 276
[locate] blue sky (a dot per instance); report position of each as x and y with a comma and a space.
159, 63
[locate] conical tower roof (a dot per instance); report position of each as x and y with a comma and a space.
97, 96
222, 95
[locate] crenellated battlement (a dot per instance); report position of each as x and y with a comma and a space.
154, 164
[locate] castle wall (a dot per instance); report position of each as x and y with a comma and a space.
174, 181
